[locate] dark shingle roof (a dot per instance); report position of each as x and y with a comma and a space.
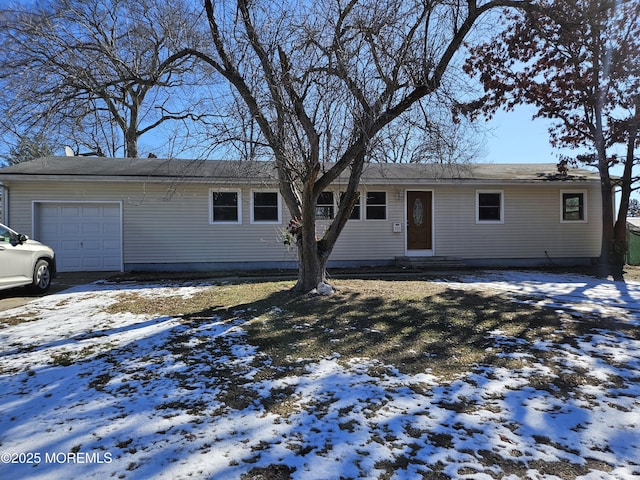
132, 167
226, 171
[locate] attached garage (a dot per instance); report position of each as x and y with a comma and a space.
86, 236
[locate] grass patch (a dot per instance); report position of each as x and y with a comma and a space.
413, 325
17, 320
226, 301
416, 326
65, 359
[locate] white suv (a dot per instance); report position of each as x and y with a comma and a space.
25, 262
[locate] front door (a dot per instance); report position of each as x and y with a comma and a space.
419, 220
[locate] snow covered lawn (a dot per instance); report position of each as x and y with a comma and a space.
91, 387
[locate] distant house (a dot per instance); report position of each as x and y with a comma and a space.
633, 241
107, 214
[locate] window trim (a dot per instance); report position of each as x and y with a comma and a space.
252, 212
489, 222
385, 205
238, 206
584, 218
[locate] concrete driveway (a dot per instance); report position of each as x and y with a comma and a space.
16, 297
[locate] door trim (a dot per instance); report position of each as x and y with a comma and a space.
412, 252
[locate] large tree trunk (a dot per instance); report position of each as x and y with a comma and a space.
312, 267
312, 258
619, 244
131, 133
604, 262
313, 252
131, 145
606, 189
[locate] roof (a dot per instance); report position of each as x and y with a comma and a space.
229, 171
633, 224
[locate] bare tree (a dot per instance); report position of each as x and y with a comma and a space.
29, 148
323, 80
96, 74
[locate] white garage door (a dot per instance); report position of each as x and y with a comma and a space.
85, 236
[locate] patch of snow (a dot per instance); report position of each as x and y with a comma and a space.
324, 289
98, 395
577, 294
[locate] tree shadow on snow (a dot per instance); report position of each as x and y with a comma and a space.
353, 384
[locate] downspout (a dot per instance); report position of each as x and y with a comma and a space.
4, 203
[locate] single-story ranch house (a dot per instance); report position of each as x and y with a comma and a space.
105, 214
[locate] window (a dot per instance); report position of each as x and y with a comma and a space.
573, 207
5, 235
489, 207
376, 206
355, 213
265, 207
324, 206
225, 207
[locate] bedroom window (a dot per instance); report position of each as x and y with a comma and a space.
573, 207
225, 206
324, 206
265, 207
489, 207
376, 206
355, 213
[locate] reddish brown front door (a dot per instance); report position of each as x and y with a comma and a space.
419, 221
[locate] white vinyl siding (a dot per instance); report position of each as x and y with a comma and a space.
530, 230
370, 240
160, 224
164, 224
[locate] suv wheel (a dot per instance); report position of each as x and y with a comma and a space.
41, 277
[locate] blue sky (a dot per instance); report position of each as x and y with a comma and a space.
513, 137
